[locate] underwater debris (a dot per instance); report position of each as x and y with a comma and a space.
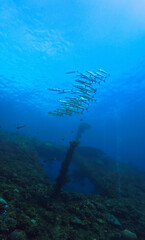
62, 178
85, 90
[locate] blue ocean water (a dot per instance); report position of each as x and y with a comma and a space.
42, 40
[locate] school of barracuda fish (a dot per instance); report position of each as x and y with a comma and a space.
82, 93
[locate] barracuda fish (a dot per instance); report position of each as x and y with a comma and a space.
81, 87
82, 75
68, 109
75, 104
101, 79
74, 110
89, 98
87, 94
78, 104
83, 108
100, 70
91, 89
59, 90
88, 83
84, 91
71, 103
94, 74
64, 91
62, 111
54, 114
98, 76
82, 101
54, 89
62, 101
68, 104
101, 76
65, 105
83, 82
71, 72
90, 86
72, 98
85, 101
68, 113
91, 73
76, 92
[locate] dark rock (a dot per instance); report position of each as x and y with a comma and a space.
128, 235
112, 219
18, 235
115, 236
77, 221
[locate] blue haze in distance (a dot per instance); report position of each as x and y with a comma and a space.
41, 40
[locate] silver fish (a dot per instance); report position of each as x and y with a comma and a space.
62, 111
71, 72
100, 70
95, 75
81, 81
54, 89
91, 89
62, 101
82, 75
76, 92
64, 91
73, 110
55, 113
91, 73
100, 78
89, 98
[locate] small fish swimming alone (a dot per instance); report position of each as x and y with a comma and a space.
53, 158
71, 72
18, 127
54, 89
